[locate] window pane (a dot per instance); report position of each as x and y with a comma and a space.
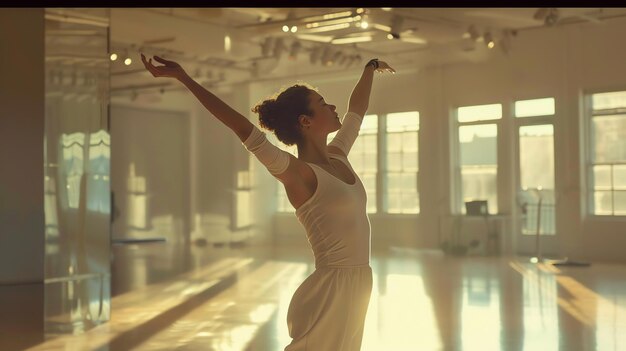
394, 162
603, 202
394, 182
537, 156
479, 112
370, 163
409, 182
394, 202
394, 142
478, 144
619, 177
410, 203
403, 121
369, 143
609, 138
535, 107
369, 125
602, 177
409, 141
609, 100
620, 203
409, 161
479, 183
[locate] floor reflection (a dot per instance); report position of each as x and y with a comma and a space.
421, 300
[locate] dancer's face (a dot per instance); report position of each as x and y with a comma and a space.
324, 119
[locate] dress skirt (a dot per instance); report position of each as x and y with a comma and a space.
327, 312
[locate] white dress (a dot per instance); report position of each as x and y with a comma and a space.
327, 312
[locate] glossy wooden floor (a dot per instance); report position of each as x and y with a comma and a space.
422, 300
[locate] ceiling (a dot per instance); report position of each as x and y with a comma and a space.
221, 46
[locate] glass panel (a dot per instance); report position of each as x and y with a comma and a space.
394, 162
537, 156
409, 161
410, 203
369, 143
395, 202
479, 113
602, 202
243, 218
77, 172
478, 144
602, 177
535, 107
403, 121
370, 162
608, 100
409, 141
619, 177
394, 142
395, 182
620, 203
479, 183
369, 125
609, 139
409, 182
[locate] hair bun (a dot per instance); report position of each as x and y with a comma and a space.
267, 114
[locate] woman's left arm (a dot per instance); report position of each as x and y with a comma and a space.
360, 97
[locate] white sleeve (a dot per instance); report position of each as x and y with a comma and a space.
274, 159
348, 132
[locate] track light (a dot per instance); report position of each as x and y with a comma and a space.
285, 28
113, 57
293, 29
489, 40
127, 60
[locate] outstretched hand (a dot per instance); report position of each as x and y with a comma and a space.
169, 68
384, 67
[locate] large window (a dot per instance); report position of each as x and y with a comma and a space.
477, 158
607, 153
402, 162
535, 196
400, 157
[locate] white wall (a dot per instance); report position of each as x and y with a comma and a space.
561, 62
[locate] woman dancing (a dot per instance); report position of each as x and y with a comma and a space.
327, 311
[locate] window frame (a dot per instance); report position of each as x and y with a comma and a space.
587, 178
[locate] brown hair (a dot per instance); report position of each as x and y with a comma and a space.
280, 112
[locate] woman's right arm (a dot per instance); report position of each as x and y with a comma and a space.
222, 111
279, 163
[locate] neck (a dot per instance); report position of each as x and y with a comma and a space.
313, 150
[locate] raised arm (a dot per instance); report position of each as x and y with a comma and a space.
360, 97
222, 111
357, 106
